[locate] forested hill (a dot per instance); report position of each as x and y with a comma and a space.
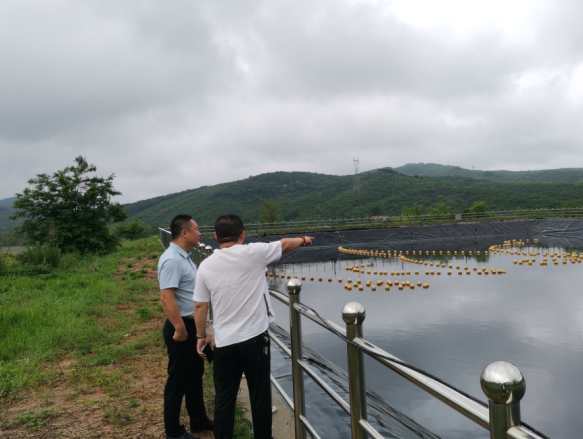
564, 175
302, 195
5, 212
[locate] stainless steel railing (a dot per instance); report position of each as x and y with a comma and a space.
404, 220
502, 383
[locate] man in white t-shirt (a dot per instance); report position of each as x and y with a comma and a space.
233, 279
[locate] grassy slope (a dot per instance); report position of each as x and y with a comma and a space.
317, 196
81, 349
564, 175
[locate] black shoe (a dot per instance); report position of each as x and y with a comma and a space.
184, 435
202, 426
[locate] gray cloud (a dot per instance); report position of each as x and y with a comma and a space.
171, 96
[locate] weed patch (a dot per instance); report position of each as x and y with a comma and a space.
145, 313
30, 419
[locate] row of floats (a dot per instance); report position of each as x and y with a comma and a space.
567, 256
358, 283
361, 269
396, 254
400, 285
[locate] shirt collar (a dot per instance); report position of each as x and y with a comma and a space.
180, 250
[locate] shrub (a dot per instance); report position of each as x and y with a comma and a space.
135, 229
42, 255
415, 210
479, 206
439, 209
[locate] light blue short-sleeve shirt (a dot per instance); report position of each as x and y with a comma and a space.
176, 270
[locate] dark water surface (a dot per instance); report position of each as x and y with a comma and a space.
532, 316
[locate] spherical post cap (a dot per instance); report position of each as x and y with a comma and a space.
201, 245
208, 248
353, 313
294, 286
503, 383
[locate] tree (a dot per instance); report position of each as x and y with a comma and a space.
135, 229
415, 210
439, 209
479, 206
269, 212
572, 204
70, 208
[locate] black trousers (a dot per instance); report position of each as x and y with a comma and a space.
185, 371
254, 358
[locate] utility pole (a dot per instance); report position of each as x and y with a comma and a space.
356, 187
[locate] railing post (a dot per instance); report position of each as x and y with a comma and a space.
504, 386
353, 315
294, 286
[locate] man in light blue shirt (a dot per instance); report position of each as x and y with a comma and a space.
177, 276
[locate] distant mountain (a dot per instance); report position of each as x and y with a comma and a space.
385, 191
7, 202
303, 196
564, 175
5, 212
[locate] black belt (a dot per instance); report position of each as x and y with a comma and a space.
257, 338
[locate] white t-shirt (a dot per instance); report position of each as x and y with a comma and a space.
233, 279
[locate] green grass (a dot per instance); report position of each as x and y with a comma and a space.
43, 319
30, 418
70, 313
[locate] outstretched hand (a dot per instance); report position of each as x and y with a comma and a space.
308, 240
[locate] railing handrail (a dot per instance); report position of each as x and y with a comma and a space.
478, 412
399, 220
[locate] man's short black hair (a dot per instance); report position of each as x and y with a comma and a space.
178, 224
228, 228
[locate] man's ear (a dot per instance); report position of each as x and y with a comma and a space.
242, 236
216, 236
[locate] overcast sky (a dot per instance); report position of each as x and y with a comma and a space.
173, 95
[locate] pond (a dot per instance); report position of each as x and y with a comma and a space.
530, 316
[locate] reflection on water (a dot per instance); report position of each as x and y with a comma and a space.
532, 316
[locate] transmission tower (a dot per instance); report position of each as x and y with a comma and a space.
356, 187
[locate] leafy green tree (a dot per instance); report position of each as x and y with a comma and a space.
572, 204
70, 209
440, 209
269, 212
135, 229
414, 210
479, 206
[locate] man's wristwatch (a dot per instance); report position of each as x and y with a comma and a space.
304, 239
200, 337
